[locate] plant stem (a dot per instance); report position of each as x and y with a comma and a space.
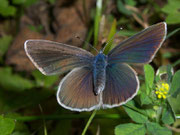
44, 123
177, 116
159, 113
97, 20
65, 116
89, 122
172, 33
89, 35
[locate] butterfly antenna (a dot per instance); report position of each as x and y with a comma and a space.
110, 40
87, 43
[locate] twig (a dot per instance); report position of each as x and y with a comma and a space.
136, 10
173, 128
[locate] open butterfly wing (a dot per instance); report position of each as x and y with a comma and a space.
52, 57
141, 47
76, 91
122, 85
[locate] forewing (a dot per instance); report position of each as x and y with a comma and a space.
122, 85
52, 57
141, 47
76, 91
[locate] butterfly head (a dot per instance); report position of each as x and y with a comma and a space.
101, 52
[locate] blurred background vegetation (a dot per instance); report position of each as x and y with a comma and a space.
27, 98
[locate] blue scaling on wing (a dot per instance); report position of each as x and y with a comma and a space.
75, 91
99, 73
52, 57
122, 85
141, 47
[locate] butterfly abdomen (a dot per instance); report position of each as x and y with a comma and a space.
99, 73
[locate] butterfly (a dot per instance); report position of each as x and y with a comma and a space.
101, 81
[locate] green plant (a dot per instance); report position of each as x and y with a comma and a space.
156, 95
